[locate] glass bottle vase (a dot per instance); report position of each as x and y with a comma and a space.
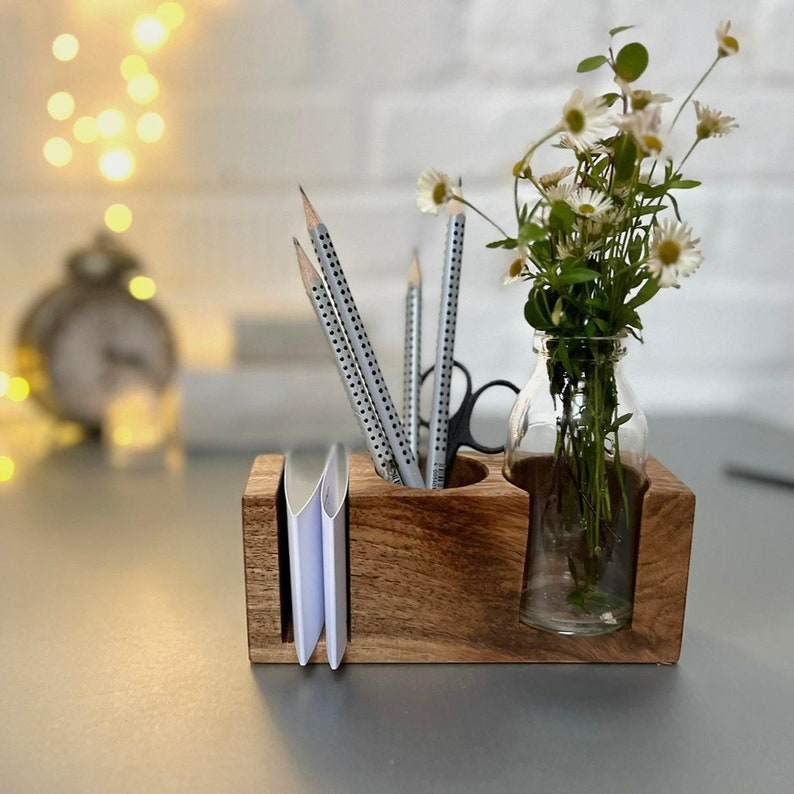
577, 442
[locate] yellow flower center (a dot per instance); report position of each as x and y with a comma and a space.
575, 120
516, 267
728, 46
440, 193
652, 143
586, 209
668, 252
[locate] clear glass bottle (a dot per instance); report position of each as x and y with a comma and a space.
577, 442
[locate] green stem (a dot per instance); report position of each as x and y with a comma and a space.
481, 214
692, 92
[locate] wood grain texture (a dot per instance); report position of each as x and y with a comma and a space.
435, 576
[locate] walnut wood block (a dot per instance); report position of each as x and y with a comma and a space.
435, 575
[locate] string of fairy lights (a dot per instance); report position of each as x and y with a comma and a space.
112, 134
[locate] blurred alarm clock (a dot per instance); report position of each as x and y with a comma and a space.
88, 338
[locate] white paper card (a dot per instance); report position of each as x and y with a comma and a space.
333, 501
303, 474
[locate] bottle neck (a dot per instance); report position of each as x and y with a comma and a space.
579, 350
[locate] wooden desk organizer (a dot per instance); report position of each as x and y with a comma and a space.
435, 576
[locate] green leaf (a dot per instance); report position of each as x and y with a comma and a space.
621, 420
625, 158
534, 315
684, 184
610, 98
508, 243
650, 210
631, 62
530, 233
647, 291
635, 249
615, 31
592, 63
561, 217
651, 191
578, 275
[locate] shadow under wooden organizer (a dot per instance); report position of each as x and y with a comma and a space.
435, 576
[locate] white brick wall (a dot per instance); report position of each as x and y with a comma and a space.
353, 98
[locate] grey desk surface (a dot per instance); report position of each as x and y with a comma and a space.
123, 661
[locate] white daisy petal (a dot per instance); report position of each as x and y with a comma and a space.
673, 252
584, 122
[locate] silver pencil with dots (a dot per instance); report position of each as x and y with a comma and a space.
439, 418
367, 419
412, 353
362, 349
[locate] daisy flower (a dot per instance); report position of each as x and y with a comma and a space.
517, 267
558, 192
433, 191
643, 126
711, 123
588, 202
673, 252
584, 122
726, 44
640, 99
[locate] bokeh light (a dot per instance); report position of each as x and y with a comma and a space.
110, 123
65, 47
117, 164
133, 66
142, 287
150, 127
18, 389
118, 217
85, 129
143, 89
149, 32
58, 152
6, 468
172, 15
60, 105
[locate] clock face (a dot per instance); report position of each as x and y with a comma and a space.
101, 344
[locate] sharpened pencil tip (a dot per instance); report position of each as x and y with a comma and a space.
309, 275
312, 219
414, 274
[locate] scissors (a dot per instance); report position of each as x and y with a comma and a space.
459, 426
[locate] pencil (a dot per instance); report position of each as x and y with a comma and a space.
367, 419
412, 353
361, 348
439, 417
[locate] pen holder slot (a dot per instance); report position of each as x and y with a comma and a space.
435, 575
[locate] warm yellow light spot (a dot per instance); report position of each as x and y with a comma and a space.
65, 47
4, 381
172, 15
142, 288
18, 389
149, 32
58, 152
133, 66
118, 217
150, 127
117, 164
6, 468
85, 129
143, 89
60, 105
110, 123
122, 436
